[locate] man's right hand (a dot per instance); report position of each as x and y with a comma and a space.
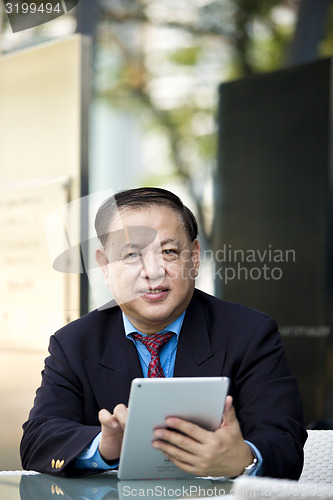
113, 425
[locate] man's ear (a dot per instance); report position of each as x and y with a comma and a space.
196, 255
103, 261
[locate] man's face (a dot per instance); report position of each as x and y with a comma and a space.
150, 266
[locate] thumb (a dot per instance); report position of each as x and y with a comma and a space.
229, 414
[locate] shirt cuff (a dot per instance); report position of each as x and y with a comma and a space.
257, 470
90, 457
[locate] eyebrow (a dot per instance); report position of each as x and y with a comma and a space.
130, 246
170, 240
137, 246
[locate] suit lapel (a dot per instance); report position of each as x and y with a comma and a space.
195, 356
111, 378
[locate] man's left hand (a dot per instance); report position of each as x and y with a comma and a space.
205, 453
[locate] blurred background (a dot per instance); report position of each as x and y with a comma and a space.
228, 104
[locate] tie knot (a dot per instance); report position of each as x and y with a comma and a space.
154, 343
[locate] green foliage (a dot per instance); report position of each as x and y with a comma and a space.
256, 8
326, 47
268, 53
259, 41
188, 56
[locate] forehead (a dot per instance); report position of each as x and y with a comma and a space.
160, 218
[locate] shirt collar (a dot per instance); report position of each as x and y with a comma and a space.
174, 327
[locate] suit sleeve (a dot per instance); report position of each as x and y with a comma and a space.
268, 404
55, 433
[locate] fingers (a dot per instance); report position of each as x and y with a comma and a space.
178, 448
173, 452
181, 442
194, 431
164, 436
120, 413
118, 418
194, 449
112, 432
107, 419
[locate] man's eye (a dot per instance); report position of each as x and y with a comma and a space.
132, 255
170, 252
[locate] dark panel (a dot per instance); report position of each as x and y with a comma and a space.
70, 4
271, 223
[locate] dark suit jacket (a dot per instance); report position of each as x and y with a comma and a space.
92, 363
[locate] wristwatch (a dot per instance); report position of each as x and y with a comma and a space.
250, 468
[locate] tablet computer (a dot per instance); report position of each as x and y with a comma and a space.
197, 399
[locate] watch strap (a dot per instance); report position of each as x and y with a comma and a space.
250, 468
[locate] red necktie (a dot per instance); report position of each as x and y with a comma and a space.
154, 344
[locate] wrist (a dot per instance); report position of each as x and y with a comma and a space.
108, 454
246, 463
256, 469
112, 461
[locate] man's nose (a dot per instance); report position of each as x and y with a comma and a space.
152, 266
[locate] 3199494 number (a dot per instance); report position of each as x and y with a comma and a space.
32, 8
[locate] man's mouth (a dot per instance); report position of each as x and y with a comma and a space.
155, 293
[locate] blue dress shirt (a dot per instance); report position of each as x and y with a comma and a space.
90, 458
168, 351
